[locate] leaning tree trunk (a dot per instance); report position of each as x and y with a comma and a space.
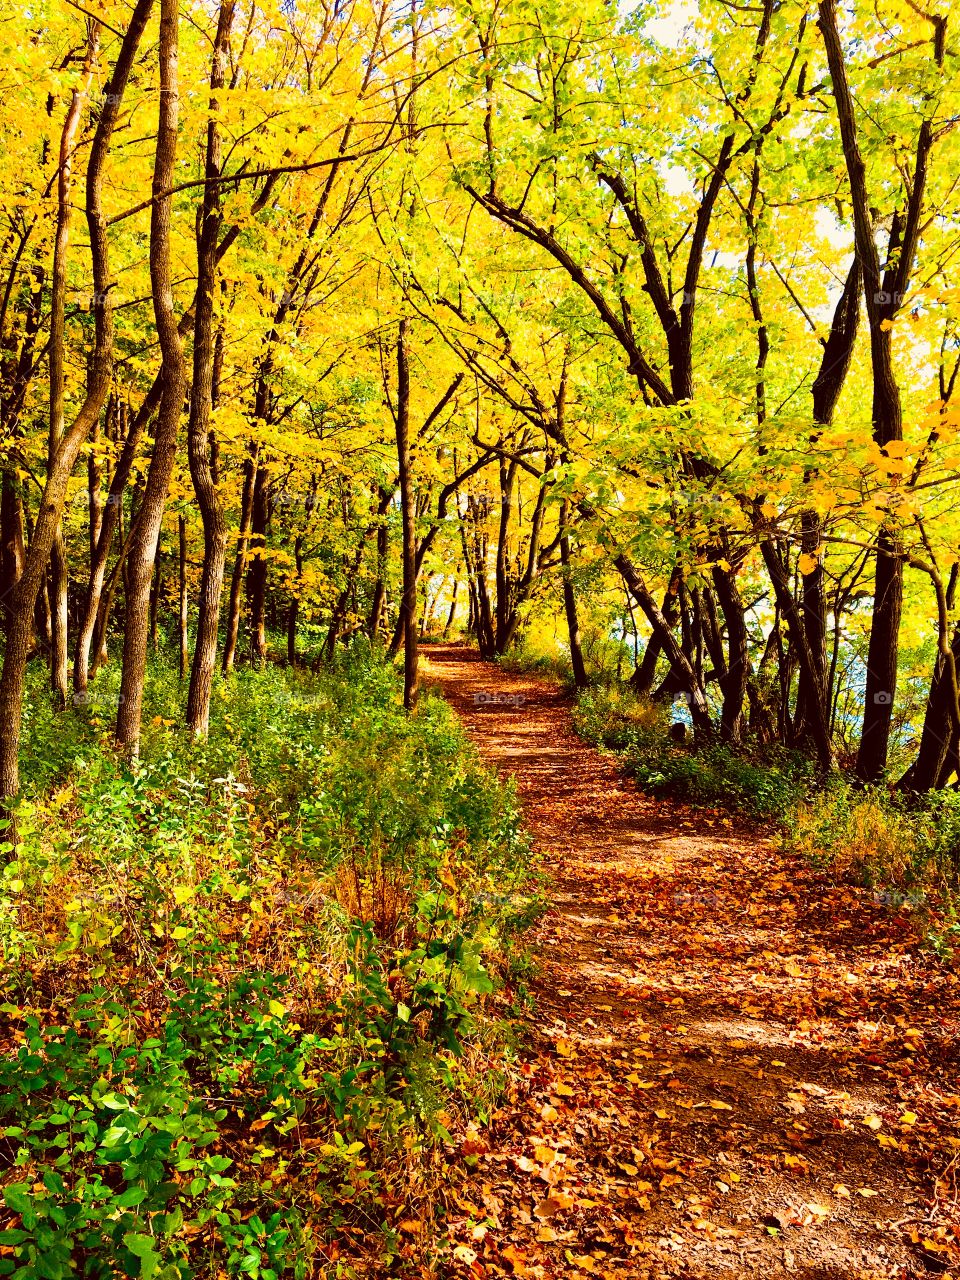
173, 376
686, 676
453, 609
109, 524
20, 623
645, 673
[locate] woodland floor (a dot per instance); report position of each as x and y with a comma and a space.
735, 1066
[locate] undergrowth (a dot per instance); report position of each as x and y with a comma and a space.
905, 849
249, 982
759, 783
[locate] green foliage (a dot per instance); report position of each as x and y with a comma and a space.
760, 783
271, 957
763, 785
883, 838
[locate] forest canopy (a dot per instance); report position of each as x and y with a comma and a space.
312, 315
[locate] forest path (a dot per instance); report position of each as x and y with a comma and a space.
735, 1067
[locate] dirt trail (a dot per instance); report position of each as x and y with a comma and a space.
735, 1066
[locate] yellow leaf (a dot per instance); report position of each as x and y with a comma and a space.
807, 563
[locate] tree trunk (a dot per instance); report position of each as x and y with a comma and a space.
645, 673
453, 609
408, 603
733, 682
812, 688
201, 409
59, 574
699, 711
293, 609
257, 571
380, 588
884, 294
239, 564
12, 548
813, 675
173, 377
570, 604
183, 642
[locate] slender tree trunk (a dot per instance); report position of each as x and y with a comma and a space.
20, 625
59, 580
94, 494
130, 430
644, 675
453, 608
239, 564
155, 591
12, 545
503, 608
201, 408
293, 609
408, 603
107, 595
183, 630
380, 587
938, 728
734, 681
570, 603
173, 375
257, 571
816, 710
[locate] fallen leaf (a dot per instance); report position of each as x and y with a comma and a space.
556, 1202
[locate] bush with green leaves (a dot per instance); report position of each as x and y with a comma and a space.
248, 979
763, 783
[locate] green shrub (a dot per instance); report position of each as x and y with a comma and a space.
761, 783
879, 837
247, 980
